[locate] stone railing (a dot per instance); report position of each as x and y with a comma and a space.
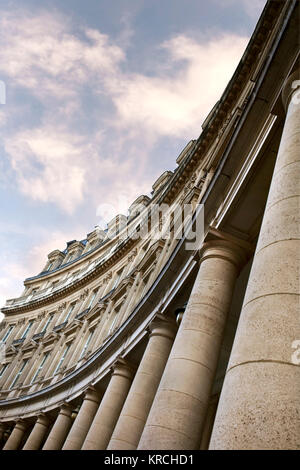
60, 326
38, 336
18, 341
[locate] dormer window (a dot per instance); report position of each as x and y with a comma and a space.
50, 266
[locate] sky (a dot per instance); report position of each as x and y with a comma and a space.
101, 97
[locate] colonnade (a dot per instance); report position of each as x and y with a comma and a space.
163, 403
173, 379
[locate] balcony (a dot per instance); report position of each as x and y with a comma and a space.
82, 314
16, 342
38, 336
60, 326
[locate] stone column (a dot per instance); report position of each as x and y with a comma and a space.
109, 410
2, 434
14, 440
179, 408
83, 420
2, 430
259, 406
135, 411
60, 429
37, 434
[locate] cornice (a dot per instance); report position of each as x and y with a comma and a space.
66, 290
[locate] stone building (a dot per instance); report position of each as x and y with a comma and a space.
126, 341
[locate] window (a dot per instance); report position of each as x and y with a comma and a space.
19, 373
86, 344
47, 323
27, 329
62, 359
50, 266
7, 334
119, 274
114, 322
3, 369
40, 367
92, 298
71, 308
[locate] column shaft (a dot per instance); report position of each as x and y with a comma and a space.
83, 421
179, 408
259, 406
14, 440
109, 410
37, 434
59, 430
135, 411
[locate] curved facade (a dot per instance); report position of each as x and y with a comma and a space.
138, 338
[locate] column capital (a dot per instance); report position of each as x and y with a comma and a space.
161, 326
42, 419
224, 249
21, 424
91, 394
65, 409
291, 85
123, 368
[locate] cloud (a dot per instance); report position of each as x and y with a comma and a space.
49, 165
42, 53
253, 8
89, 130
177, 103
98, 123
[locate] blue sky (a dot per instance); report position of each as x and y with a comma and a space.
101, 97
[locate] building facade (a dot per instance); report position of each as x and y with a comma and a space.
137, 338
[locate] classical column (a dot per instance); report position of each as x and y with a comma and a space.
135, 411
60, 429
259, 406
109, 410
83, 420
2, 430
2, 434
14, 440
37, 434
179, 408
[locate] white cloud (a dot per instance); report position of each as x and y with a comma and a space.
177, 103
49, 165
42, 54
60, 160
